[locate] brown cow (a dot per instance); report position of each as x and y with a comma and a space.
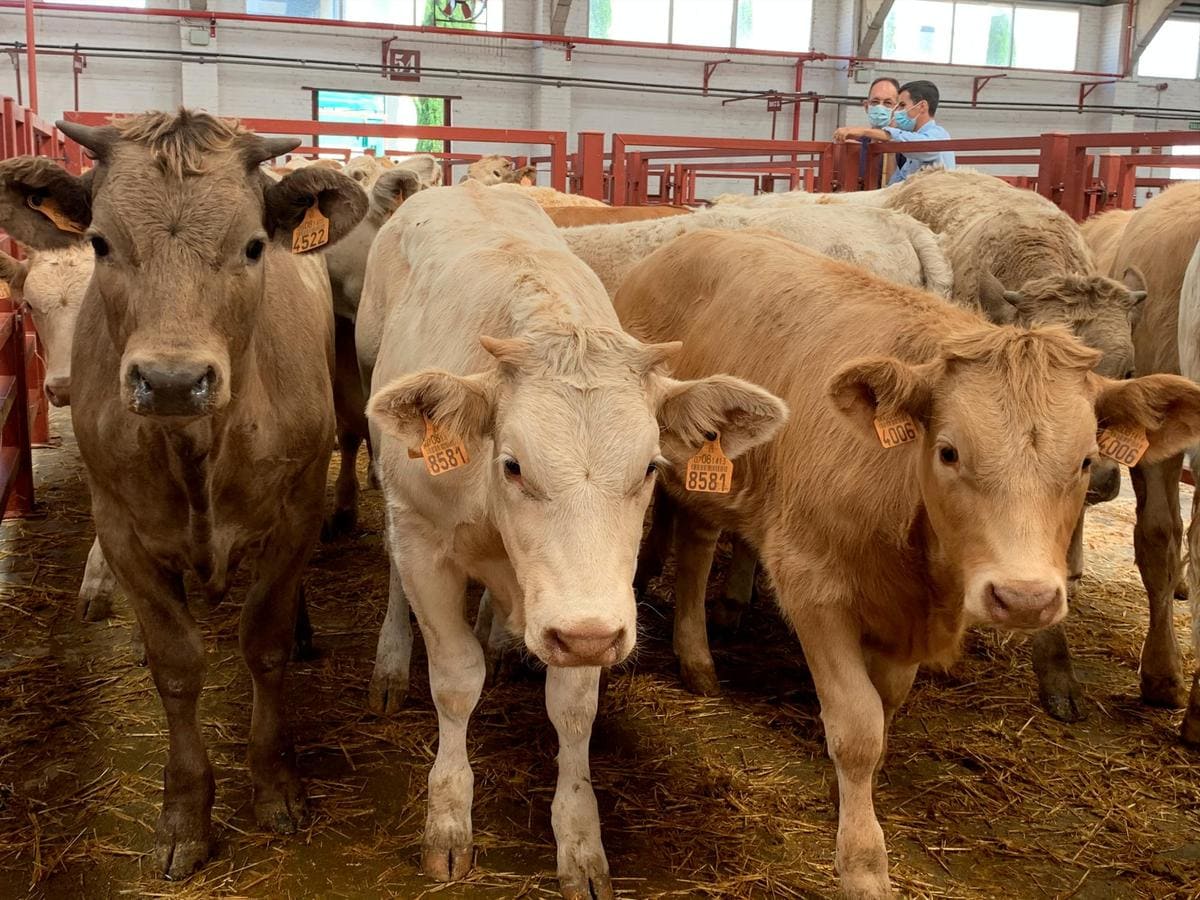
202, 404
579, 216
881, 557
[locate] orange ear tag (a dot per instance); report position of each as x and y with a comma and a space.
442, 451
710, 471
1125, 445
312, 232
895, 430
48, 208
526, 181
5, 293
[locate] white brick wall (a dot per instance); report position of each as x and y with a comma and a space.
127, 85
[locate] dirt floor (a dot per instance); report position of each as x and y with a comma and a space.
983, 795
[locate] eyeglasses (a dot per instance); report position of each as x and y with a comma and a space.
886, 104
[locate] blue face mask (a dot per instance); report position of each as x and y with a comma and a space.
902, 120
879, 116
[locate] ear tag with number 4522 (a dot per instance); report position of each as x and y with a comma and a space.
442, 451
1125, 445
48, 208
895, 430
312, 232
709, 471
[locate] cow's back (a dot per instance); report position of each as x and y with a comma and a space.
1103, 234
1159, 241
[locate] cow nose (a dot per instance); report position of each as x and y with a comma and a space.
1024, 604
1104, 483
58, 391
585, 644
172, 390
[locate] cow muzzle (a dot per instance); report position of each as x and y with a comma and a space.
173, 387
1024, 605
58, 390
1104, 483
587, 643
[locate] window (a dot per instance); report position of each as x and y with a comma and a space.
1182, 173
483, 15
982, 34
1173, 52
379, 109
760, 24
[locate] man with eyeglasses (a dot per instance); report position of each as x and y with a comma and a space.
912, 120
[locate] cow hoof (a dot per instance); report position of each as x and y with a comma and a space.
179, 859
725, 614
283, 814
1189, 732
339, 525
581, 887
700, 679
137, 647
1164, 691
447, 864
386, 693
1181, 589
302, 648
1063, 699
94, 608
867, 886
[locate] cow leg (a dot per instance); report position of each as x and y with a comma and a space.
1058, 689
393, 653
855, 723
349, 403
175, 654
582, 866
657, 547
302, 636
735, 596
893, 681
1156, 539
491, 630
266, 635
1190, 730
437, 591
99, 585
695, 541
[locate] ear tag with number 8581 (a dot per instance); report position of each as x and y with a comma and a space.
709, 471
443, 452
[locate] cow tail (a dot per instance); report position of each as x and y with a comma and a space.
936, 274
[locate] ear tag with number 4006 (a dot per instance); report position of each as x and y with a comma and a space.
1125, 445
312, 232
442, 451
709, 471
48, 208
895, 430
4, 291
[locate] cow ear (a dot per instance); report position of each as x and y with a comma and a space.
882, 387
462, 405
1166, 407
690, 412
391, 189
338, 197
42, 204
13, 271
1000, 306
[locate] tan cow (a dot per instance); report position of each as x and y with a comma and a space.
1159, 240
887, 243
1189, 366
202, 404
882, 557
1103, 234
578, 216
496, 169
550, 429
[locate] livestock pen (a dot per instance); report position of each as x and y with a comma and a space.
982, 794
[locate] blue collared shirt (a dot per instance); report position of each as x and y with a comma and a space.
913, 162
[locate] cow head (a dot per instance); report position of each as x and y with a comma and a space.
51, 284
1099, 311
568, 431
182, 223
1006, 424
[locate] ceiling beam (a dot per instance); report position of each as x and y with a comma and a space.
558, 16
876, 25
1150, 17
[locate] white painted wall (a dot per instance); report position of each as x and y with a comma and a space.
130, 86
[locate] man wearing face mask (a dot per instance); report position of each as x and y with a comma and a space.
912, 120
881, 100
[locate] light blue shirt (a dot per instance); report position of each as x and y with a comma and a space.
913, 162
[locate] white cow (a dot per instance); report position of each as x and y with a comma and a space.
483, 333
890, 244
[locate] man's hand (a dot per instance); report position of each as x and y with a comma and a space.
847, 133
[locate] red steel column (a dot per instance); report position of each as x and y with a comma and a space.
590, 154
31, 55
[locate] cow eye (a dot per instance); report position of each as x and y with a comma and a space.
512, 468
99, 245
1128, 374
651, 469
1087, 464
948, 455
254, 250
